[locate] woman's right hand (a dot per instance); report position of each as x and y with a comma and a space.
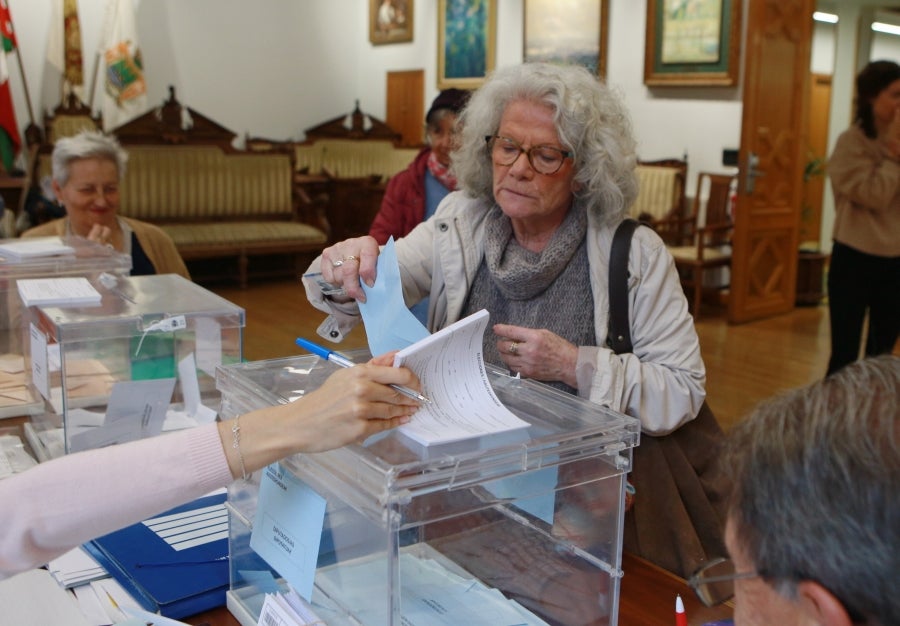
348, 262
354, 403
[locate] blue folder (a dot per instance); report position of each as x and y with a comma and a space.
165, 580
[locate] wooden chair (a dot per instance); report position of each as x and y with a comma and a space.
711, 227
660, 203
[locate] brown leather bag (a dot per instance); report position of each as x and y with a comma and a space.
678, 516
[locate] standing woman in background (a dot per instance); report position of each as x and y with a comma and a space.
865, 259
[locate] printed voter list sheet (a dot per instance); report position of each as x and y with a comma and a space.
450, 367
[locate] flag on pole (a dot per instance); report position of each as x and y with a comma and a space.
64, 45
10, 140
125, 94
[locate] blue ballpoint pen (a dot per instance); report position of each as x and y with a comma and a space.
339, 359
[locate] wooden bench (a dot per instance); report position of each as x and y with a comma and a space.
215, 201
347, 161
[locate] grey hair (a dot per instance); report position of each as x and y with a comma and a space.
88, 144
591, 121
816, 476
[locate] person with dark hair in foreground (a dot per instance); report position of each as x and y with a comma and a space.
813, 526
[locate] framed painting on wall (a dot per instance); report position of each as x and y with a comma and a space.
567, 31
692, 42
390, 21
467, 31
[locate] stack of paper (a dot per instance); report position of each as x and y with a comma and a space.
71, 291
451, 370
288, 609
16, 251
75, 567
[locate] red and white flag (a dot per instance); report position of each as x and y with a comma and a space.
10, 140
125, 92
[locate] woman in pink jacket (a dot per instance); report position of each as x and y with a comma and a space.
55, 506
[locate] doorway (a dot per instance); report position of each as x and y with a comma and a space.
406, 106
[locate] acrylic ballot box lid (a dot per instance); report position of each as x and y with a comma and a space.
395, 468
131, 305
531, 518
83, 257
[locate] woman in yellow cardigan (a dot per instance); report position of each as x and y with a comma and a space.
87, 171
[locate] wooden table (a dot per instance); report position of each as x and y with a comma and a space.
647, 599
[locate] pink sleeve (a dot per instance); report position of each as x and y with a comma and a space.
60, 504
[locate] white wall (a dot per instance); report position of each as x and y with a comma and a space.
275, 67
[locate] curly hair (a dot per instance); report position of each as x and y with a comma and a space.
591, 121
86, 145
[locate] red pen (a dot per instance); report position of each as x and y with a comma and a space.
680, 615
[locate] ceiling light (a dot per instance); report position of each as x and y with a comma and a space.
830, 18
881, 27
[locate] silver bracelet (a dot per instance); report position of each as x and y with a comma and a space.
236, 444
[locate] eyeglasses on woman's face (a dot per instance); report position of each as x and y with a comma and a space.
714, 582
543, 159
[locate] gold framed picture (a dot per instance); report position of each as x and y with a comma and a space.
390, 21
467, 31
574, 31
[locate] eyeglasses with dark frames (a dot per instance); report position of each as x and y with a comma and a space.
543, 159
714, 582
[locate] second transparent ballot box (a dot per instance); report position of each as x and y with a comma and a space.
139, 362
39, 257
523, 527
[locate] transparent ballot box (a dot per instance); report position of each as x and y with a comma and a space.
140, 361
522, 527
39, 257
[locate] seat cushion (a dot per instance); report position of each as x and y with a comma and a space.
241, 234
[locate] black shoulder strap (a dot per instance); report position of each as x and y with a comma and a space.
619, 335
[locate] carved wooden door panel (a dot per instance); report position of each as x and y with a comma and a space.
767, 219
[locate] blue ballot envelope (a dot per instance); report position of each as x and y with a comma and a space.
174, 564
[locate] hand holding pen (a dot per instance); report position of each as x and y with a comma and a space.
339, 359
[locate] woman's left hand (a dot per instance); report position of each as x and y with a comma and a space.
537, 353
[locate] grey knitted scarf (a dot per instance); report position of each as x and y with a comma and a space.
548, 289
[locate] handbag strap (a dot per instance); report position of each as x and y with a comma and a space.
619, 335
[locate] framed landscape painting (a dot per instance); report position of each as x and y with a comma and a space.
692, 42
467, 33
567, 31
390, 21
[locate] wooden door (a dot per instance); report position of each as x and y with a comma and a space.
767, 220
406, 105
814, 168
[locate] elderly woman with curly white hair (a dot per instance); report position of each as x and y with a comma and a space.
545, 168
546, 172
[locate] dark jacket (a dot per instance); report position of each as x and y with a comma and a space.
403, 205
